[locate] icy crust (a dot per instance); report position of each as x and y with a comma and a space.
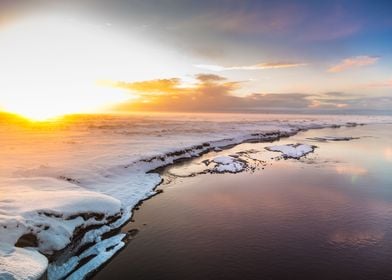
333, 138
99, 253
87, 177
295, 151
21, 263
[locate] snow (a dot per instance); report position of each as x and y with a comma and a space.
53, 175
21, 263
217, 162
223, 160
292, 150
50, 209
228, 164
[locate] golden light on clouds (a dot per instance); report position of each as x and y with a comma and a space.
52, 64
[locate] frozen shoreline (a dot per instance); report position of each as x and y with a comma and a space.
118, 192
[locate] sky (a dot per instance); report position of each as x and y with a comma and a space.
61, 57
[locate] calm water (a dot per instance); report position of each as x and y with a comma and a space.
328, 216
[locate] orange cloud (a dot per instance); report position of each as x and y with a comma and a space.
353, 62
210, 93
154, 86
259, 66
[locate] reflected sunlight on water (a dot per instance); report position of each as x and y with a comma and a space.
388, 154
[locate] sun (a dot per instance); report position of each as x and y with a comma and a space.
48, 104
51, 64
50, 67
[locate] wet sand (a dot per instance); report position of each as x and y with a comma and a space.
326, 216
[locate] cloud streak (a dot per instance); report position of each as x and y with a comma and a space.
259, 66
353, 62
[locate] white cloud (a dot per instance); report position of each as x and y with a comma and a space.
259, 66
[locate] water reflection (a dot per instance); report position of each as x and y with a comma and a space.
354, 171
388, 154
351, 170
356, 238
292, 220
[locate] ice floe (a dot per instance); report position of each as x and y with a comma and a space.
295, 151
228, 164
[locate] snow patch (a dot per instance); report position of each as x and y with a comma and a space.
228, 164
21, 263
292, 150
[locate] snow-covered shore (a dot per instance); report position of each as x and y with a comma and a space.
83, 178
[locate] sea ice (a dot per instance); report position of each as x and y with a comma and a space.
227, 164
292, 150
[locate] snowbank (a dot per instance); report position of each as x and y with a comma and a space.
51, 210
45, 213
20, 264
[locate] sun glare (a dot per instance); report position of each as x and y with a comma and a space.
50, 67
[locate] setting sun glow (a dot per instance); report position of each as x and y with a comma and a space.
51, 67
